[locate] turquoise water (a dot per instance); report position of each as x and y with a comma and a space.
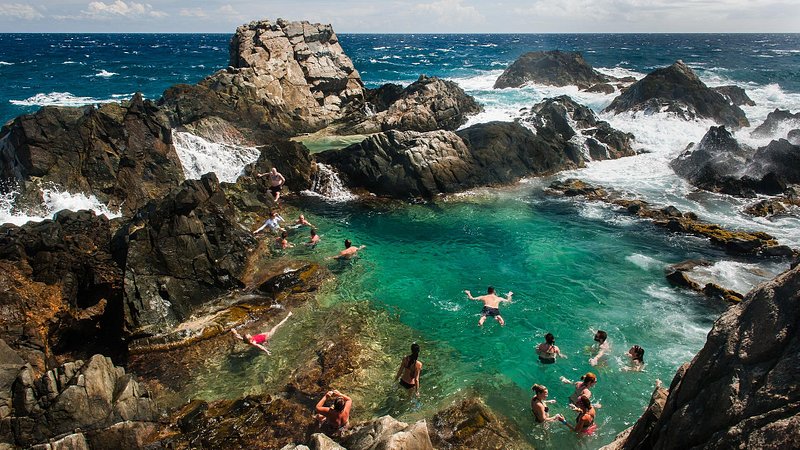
570, 273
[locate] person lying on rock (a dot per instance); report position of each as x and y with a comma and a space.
349, 251
260, 341
491, 305
333, 418
273, 223
276, 181
602, 346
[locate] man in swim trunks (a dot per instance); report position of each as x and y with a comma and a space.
276, 181
349, 251
491, 305
260, 341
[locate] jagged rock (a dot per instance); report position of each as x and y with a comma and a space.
284, 77
741, 390
555, 68
381, 98
179, 253
678, 90
735, 95
471, 425
387, 433
564, 119
64, 270
719, 163
602, 88
96, 397
120, 153
572, 187
766, 208
793, 137
427, 104
775, 122
644, 425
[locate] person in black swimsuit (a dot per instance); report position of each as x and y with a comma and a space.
409, 370
539, 405
548, 350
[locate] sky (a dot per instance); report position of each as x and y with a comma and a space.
414, 16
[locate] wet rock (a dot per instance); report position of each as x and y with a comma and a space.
427, 104
743, 383
766, 208
602, 88
120, 153
283, 77
677, 274
96, 397
718, 292
793, 137
387, 433
179, 253
735, 95
554, 68
641, 429
677, 89
776, 121
470, 424
572, 187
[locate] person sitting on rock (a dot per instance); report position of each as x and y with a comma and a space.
409, 370
602, 346
548, 350
276, 181
260, 341
539, 406
349, 251
282, 241
334, 418
313, 240
636, 353
273, 223
584, 422
491, 305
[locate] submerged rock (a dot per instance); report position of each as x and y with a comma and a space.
120, 153
470, 424
743, 383
180, 252
95, 400
677, 89
554, 68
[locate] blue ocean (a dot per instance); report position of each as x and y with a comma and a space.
574, 266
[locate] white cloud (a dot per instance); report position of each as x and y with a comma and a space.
101, 10
193, 12
451, 11
19, 11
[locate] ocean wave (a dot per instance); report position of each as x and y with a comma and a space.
620, 72
5, 63
105, 74
59, 99
199, 156
54, 200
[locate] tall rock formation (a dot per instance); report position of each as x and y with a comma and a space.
742, 390
677, 89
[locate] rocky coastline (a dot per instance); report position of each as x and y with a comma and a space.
103, 319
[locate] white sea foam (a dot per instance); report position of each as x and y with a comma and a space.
105, 74
58, 99
54, 200
620, 72
644, 262
738, 276
5, 63
328, 185
199, 156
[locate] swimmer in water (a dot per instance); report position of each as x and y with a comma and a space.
636, 354
547, 350
603, 347
260, 341
491, 305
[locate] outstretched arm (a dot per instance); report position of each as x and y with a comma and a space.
260, 347
469, 295
508, 296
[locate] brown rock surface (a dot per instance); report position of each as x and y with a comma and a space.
470, 424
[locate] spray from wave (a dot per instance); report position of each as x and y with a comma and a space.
199, 156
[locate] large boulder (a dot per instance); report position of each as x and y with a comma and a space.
120, 153
742, 390
554, 68
470, 424
94, 397
284, 78
427, 104
179, 253
780, 120
64, 270
719, 163
677, 89
388, 433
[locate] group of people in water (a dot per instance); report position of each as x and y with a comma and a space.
333, 409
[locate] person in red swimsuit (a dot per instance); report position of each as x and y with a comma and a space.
260, 341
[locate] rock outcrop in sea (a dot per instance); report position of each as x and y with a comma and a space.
780, 120
742, 389
554, 68
677, 89
410, 164
720, 163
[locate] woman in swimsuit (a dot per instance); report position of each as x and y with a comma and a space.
548, 350
636, 354
539, 404
584, 423
409, 370
582, 387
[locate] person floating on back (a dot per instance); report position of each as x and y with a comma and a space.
349, 251
260, 341
548, 350
332, 419
491, 305
409, 370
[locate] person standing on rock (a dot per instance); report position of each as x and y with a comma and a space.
334, 418
349, 251
260, 341
409, 370
276, 182
491, 305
